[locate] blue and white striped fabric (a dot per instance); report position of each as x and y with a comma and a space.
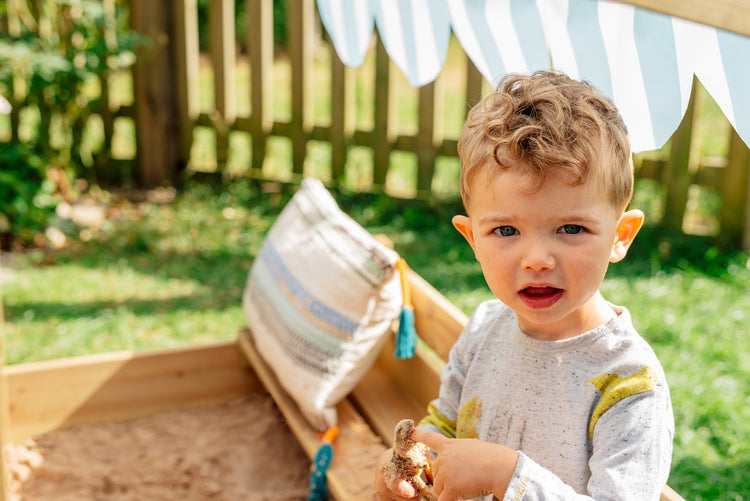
349, 24
643, 60
490, 33
415, 35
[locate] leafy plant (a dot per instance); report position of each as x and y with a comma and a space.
48, 70
26, 196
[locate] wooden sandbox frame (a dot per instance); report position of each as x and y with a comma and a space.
39, 397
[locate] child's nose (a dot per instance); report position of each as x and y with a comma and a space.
537, 256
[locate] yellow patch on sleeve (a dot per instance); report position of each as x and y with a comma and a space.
615, 388
446, 426
468, 416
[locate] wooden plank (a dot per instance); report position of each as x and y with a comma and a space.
730, 15
15, 96
474, 80
121, 386
384, 130
109, 32
394, 389
301, 45
186, 57
351, 474
734, 194
428, 134
677, 178
419, 376
342, 112
260, 49
438, 321
45, 14
154, 97
650, 168
710, 175
221, 21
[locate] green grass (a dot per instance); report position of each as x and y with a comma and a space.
694, 312
163, 275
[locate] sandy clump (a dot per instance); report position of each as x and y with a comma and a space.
238, 450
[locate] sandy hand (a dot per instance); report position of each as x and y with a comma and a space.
410, 458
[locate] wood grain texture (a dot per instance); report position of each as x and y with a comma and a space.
121, 386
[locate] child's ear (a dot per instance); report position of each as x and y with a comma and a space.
628, 227
463, 225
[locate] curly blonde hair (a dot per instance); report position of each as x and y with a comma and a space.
551, 126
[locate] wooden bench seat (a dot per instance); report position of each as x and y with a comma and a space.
393, 389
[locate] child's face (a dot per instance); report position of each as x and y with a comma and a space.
545, 253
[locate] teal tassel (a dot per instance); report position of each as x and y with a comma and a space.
318, 487
406, 338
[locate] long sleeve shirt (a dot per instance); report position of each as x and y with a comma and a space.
590, 416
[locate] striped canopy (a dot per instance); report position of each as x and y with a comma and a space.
643, 60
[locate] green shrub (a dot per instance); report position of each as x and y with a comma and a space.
26, 196
53, 73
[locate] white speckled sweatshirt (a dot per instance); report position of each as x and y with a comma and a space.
591, 415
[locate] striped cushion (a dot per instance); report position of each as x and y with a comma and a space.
320, 297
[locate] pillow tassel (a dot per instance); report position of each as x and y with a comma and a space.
321, 462
406, 337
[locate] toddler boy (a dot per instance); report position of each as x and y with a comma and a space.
549, 393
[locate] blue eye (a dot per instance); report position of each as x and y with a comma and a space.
571, 229
505, 231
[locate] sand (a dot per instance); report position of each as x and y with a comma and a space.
238, 450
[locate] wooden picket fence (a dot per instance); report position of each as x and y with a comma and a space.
167, 109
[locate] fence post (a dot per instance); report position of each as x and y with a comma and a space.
676, 168
260, 49
734, 199
156, 129
221, 17
13, 26
474, 81
428, 134
109, 32
384, 129
301, 45
342, 113
187, 69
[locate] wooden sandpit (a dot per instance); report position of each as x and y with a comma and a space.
191, 424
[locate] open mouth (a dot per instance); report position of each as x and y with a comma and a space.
540, 297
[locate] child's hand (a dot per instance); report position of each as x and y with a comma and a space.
401, 490
468, 468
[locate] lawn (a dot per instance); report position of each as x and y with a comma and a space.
171, 272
